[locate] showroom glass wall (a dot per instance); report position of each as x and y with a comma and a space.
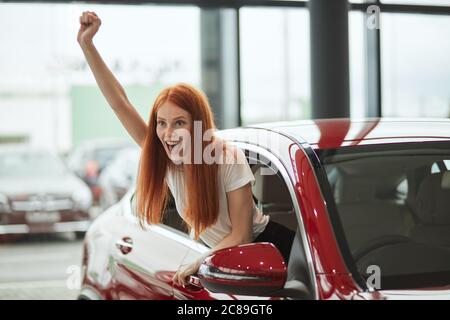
415, 65
356, 27
275, 64
414, 70
43, 74
414, 46
41, 64
275, 73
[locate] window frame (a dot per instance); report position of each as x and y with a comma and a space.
260, 152
331, 203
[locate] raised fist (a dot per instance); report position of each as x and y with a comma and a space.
89, 25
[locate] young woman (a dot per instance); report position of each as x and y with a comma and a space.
214, 198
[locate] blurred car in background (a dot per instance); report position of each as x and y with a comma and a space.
89, 159
39, 194
118, 177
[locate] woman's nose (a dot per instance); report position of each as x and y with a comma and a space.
169, 132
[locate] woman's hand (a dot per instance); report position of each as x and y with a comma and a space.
180, 277
89, 25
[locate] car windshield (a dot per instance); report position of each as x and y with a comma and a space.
393, 202
30, 164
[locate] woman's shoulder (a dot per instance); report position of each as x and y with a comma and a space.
232, 154
235, 171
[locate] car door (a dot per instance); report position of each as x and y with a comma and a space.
194, 290
145, 260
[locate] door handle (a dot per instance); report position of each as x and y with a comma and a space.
125, 245
194, 282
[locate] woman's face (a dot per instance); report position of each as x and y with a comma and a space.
173, 127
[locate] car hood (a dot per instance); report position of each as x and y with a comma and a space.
61, 184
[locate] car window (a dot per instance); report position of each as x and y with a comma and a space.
171, 217
394, 205
272, 196
447, 164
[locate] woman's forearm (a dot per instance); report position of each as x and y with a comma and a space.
110, 87
232, 240
115, 94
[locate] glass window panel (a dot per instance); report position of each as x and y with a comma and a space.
356, 25
415, 65
43, 73
275, 64
419, 2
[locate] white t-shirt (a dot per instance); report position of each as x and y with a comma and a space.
232, 175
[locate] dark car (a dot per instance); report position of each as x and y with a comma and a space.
39, 194
369, 201
89, 159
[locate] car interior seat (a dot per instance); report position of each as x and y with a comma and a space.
366, 218
273, 199
431, 207
272, 196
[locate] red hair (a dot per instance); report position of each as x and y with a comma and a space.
201, 180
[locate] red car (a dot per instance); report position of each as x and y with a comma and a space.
369, 201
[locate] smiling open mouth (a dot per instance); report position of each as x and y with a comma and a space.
172, 144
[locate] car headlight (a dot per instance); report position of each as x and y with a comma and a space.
82, 199
4, 203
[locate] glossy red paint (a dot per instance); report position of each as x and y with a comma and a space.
339, 127
136, 274
259, 260
334, 133
190, 292
339, 287
327, 258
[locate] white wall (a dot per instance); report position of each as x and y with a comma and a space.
45, 119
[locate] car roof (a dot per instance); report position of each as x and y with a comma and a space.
335, 133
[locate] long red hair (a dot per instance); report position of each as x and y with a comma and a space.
201, 180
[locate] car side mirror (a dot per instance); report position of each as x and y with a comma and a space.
251, 269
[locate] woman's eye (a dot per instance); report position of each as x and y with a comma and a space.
160, 123
179, 123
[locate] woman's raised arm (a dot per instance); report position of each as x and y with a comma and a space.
110, 87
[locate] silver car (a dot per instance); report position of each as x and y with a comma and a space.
39, 194
118, 177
